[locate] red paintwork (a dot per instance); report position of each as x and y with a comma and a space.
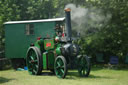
62, 34
48, 44
38, 38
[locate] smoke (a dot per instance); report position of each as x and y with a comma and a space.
77, 13
87, 20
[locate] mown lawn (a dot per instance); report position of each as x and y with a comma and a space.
97, 77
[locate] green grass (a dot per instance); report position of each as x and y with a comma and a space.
97, 77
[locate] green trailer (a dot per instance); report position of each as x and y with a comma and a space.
45, 45
20, 34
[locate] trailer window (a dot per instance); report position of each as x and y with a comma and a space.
29, 29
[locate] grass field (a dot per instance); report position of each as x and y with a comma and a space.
97, 76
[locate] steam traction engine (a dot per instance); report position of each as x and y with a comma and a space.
56, 53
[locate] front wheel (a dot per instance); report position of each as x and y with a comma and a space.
34, 61
84, 66
60, 67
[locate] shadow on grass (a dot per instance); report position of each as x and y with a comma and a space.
103, 77
47, 74
75, 75
4, 80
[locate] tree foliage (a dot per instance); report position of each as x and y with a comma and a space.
110, 39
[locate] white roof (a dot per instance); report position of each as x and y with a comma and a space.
31, 21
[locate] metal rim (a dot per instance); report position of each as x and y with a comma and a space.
84, 66
60, 67
34, 61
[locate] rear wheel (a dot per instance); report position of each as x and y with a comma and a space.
60, 67
34, 61
84, 66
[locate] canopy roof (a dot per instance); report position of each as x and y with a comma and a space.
32, 21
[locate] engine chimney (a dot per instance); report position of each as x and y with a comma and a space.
68, 23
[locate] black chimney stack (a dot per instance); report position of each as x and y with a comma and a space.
68, 23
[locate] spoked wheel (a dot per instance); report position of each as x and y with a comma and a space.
34, 61
60, 67
84, 66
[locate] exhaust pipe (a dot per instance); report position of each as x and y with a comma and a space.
68, 23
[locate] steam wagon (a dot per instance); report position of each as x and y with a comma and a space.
44, 45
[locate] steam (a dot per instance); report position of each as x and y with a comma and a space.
77, 13
87, 20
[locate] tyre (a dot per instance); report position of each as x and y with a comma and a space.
34, 61
60, 67
84, 66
